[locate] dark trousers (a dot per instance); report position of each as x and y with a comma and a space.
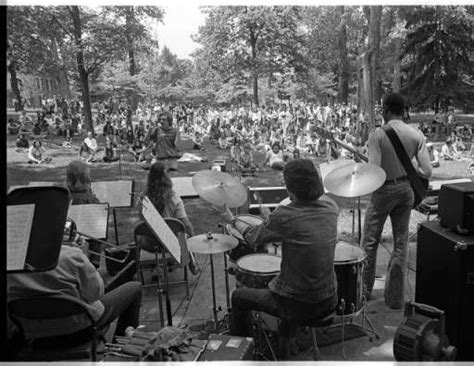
291, 313
123, 303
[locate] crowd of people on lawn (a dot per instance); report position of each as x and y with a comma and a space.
280, 131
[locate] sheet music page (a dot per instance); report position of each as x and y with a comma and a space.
19, 222
91, 219
183, 186
161, 229
116, 193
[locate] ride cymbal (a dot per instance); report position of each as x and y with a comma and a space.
354, 180
211, 243
219, 188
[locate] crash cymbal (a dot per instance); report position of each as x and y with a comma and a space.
327, 168
211, 243
354, 180
219, 188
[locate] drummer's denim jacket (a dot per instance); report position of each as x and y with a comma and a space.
308, 232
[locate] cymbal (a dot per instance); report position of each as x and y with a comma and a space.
211, 243
219, 188
355, 180
327, 168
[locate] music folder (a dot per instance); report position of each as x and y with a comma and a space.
19, 224
161, 229
91, 219
117, 193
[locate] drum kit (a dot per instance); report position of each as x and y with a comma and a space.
255, 267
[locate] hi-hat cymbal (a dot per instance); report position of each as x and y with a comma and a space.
219, 188
355, 180
211, 243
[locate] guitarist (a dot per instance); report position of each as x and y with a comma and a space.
395, 198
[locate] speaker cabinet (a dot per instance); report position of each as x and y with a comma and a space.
445, 279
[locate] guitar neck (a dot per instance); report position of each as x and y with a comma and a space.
351, 149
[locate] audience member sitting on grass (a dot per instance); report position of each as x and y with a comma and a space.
89, 148
138, 150
25, 121
448, 152
246, 162
110, 149
22, 144
459, 144
433, 154
13, 127
37, 154
37, 129
275, 158
197, 141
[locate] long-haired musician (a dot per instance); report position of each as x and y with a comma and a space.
306, 288
159, 189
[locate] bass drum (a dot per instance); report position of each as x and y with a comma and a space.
349, 263
257, 270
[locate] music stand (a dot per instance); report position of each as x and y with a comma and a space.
51, 207
117, 194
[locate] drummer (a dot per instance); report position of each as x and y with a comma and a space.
306, 288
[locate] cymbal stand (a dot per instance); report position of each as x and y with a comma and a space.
215, 310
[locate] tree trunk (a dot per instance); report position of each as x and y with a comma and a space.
131, 52
370, 62
15, 84
253, 44
397, 75
343, 69
61, 73
83, 75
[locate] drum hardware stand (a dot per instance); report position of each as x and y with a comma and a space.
261, 338
359, 221
368, 330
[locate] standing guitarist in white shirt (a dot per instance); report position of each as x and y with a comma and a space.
395, 198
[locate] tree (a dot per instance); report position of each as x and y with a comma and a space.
130, 25
92, 40
243, 42
369, 62
436, 62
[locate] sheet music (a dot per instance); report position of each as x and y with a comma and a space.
161, 229
116, 193
183, 186
19, 222
91, 219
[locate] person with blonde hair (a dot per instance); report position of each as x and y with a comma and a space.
78, 181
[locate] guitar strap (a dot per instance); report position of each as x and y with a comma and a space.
404, 159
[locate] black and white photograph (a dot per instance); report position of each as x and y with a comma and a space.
237, 181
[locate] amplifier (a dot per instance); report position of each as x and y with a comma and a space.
456, 206
228, 348
270, 197
445, 280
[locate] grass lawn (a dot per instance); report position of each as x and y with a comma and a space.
203, 217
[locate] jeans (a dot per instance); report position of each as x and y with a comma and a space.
290, 312
394, 200
123, 303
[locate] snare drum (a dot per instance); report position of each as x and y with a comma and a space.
349, 263
257, 270
243, 248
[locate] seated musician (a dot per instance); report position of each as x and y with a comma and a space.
159, 190
75, 276
306, 288
78, 181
